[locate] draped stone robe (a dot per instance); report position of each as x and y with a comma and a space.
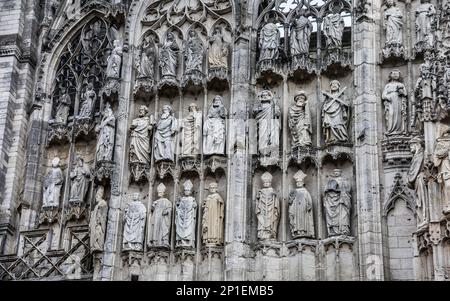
394, 97
218, 52
160, 223
185, 220
213, 216
192, 125
442, 161
147, 61
114, 63
300, 125
416, 180
394, 26
80, 183
214, 131
267, 119
267, 213
425, 15
269, 42
62, 109
140, 140
168, 58
87, 104
105, 144
52, 188
194, 55
333, 27
133, 233
301, 213
337, 204
335, 118
300, 36
98, 226
165, 138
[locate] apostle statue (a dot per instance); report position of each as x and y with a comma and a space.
106, 131
299, 119
416, 179
267, 209
114, 61
62, 107
161, 219
165, 132
134, 220
301, 220
141, 128
214, 130
267, 116
337, 204
333, 28
424, 88
191, 132
269, 42
88, 102
193, 54
146, 63
97, 224
300, 35
335, 114
80, 177
213, 217
168, 56
442, 162
395, 104
218, 49
52, 185
393, 22
425, 18
185, 217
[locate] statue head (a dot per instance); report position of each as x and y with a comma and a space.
80, 161
116, 43
335, 85
100, 192
266, 179
193, 107
90, 86
390, 3
108, 110
299, 178
213, 187
170, 36
395, 75
265, 96
415, 144
301, 98
55, 162
192, 33
217, 101
337, 172
143, 110
217, 30
161, 190
166, 111
136, 197
187, 187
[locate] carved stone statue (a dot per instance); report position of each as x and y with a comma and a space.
301, 219
301, 34
166, 129
269, 42
393, 22
106, 132
213, 216
134, 220
88, 101
62, 107
424, 88
300, 121
193, 54
114, 61
146, 63
333, 29
168, 56
267, 209
335, 114
141, 128
52, 185
185, 217
267, 116
337, 203
395, 104
191, 132
218, 49
442, 162
425, 17
80, 177
160, 220
97, 224
214, 130
416, 180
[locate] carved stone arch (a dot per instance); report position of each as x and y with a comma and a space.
344, 5
310, 11
220, 21
267, 14
399, 192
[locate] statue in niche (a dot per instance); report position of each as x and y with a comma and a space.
88, 101
52, 185
106, 131
97, 224
168, 56
79, 177
442, 162
393, 21
214, 129
213, 217
301, 34
141, 128
218, 49
395, 104
424, 89
301, 219
161, 219
425, 18
335, 114
166, 129
114, 61
185, 217
191, 132
63, 107
147, 54
300, 121
337, 203
267, 116
134, 220
269, 42
416, 179
267, 209
333, 28
194, 51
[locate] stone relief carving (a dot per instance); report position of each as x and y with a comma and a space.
160, 219
395, 104
191, 132
425, 19
442, 162
52, 185
168, 58
185, 217
393, 24
333, 28
213, 217
80, 177
335, 114
299, 120
214, 129
106, 135
218, 54
97, 224
134, 220
269, 41
301, 219
114, 61
267, 209
165, 132
337, 204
